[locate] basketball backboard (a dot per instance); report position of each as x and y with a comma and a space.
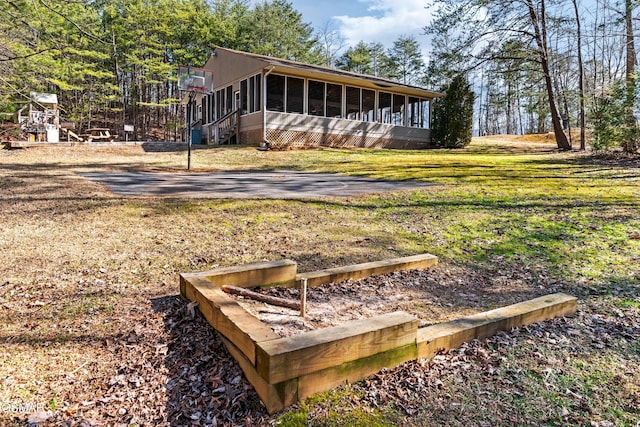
192, 79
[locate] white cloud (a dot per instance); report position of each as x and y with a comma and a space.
388, 20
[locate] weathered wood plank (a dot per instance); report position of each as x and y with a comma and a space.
285, 358
274, 273
448, 335
275, 397
359, 271
225, 314
353, 371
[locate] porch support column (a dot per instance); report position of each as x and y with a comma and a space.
264, 106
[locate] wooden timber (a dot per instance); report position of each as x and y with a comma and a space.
359, 271
274, 396
355, 370
285, 358
274, 273
448, 335
225, 315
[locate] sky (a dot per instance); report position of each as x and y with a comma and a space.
371, 21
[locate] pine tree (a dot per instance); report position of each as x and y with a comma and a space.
405, 62
453, 115
276, 29
356, 59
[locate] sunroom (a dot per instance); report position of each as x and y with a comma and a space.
259, 100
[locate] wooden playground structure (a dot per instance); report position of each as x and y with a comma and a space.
39, 124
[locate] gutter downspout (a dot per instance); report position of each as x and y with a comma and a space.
267, 144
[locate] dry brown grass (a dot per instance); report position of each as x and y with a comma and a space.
90, 327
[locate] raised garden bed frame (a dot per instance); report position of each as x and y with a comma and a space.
285, 370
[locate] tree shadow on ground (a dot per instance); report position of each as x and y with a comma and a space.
169, 147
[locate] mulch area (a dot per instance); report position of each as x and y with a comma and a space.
433, 295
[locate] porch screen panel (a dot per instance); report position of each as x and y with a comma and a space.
426, 113
295, 95
334, 100
353, 102
368, 105
315, 98
384, 107
398, 110
414, 113
275, 93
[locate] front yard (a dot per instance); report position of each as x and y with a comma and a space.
91, 328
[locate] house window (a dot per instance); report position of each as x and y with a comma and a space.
252, 94
353, 102
334, 100
211, 107
223, 102
257, 103
219, 95
204, 108
368, 105
315, 98
295, 95
398, 110
229, 100
275, 92
244, 105
384, 107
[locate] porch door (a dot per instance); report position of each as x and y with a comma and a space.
236, 98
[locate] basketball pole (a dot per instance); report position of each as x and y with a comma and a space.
189, 119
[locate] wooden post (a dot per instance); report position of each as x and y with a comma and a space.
238, 127
303, 298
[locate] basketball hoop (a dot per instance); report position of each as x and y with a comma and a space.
196, 80
193, 81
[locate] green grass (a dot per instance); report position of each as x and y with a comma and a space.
553, 221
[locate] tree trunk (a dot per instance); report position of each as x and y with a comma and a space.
630, 119
583, 143
540, 31
480, 133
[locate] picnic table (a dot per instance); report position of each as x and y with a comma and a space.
98, 134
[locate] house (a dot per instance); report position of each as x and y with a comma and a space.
260, 100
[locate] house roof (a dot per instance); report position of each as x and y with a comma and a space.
301, 69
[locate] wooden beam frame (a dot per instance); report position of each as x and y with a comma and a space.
285, 370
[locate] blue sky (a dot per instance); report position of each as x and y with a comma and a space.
368, 20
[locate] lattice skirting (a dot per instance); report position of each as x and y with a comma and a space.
294, 139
